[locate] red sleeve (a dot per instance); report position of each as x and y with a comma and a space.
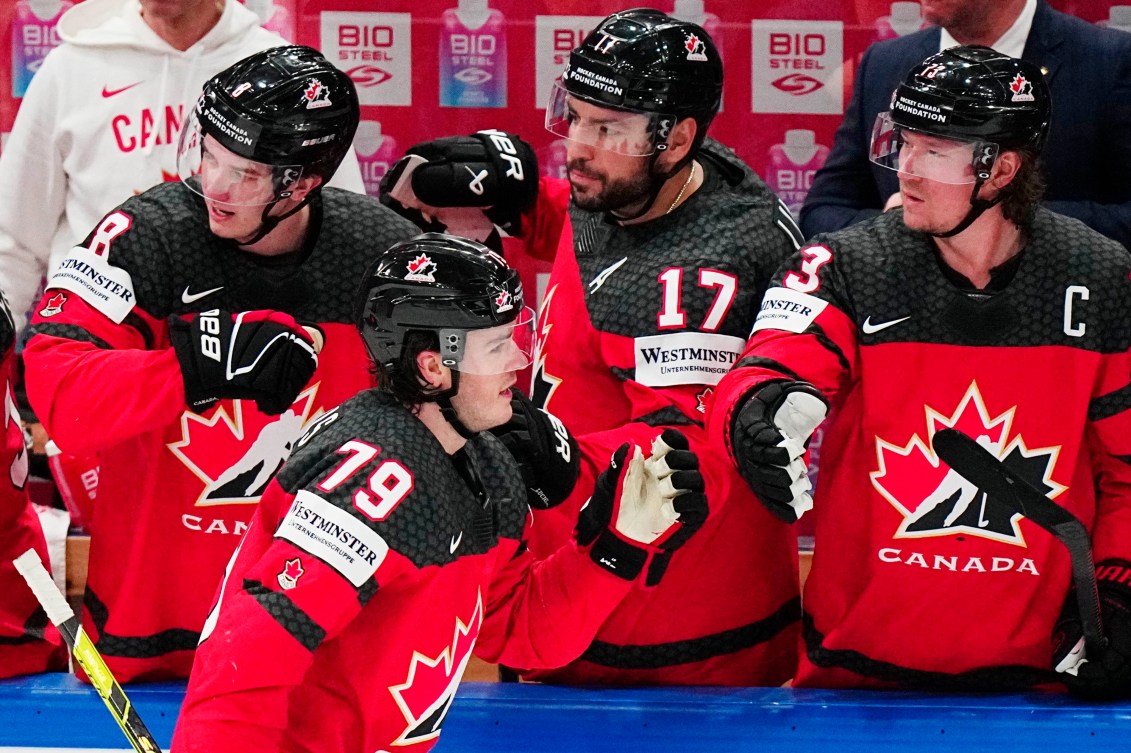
542, 223
534, 618
94, 383
1108, 437
803, 332
259, 640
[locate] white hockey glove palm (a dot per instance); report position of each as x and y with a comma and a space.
769, 436
643, 509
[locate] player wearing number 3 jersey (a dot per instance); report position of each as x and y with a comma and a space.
392, 543
974, 308
170, 343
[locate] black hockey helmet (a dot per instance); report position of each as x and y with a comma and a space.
643, 61
971, 95
287, 107
976, 94
449, 286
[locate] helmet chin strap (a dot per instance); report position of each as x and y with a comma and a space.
448, 411
268, 222
977, 207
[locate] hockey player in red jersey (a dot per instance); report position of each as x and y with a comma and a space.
670, 243
392, 543
28, 642
170, 343
971, 307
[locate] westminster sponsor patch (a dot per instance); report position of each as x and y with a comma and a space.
334, 536
88, 275
788, 310
685, 358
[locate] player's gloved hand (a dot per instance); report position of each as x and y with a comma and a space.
642, 510
1106, 675
546, 453
265, 356
769, 435
490, 169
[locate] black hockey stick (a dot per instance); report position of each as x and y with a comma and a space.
978, 466
60, 613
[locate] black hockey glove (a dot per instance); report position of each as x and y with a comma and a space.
769, 435
490, 169
265, 356
1105, 676
640, 514
547, 455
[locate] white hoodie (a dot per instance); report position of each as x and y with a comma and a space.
99, 123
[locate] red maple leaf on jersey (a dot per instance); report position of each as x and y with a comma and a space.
292, 571
426, 695
935, 500
54, 305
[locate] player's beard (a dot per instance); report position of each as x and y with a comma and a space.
616, 195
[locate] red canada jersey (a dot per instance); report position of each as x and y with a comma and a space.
918, 578
28, 642
177, 488
637, 325
371, 571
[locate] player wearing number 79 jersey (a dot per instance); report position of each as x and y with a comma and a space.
391, 544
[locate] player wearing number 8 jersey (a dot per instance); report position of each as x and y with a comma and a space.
971, 307
392, 543
169, 342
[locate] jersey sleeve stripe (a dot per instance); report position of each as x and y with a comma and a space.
289, 616
70, 332
768, 364
1111, 404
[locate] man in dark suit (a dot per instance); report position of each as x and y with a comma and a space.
1087, 158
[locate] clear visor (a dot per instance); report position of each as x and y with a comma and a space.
930, 157
497, 350
627, 133
215, 172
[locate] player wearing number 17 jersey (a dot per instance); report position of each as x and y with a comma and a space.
971, 307
670, 243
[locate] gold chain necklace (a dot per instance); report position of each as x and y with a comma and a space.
686, 183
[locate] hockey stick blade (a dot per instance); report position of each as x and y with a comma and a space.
59, 612
979, 466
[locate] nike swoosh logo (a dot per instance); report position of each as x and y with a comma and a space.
107, 93
455, 543
871, 329
604, 275
187, 297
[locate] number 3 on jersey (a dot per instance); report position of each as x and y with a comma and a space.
384, 489
815, 257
